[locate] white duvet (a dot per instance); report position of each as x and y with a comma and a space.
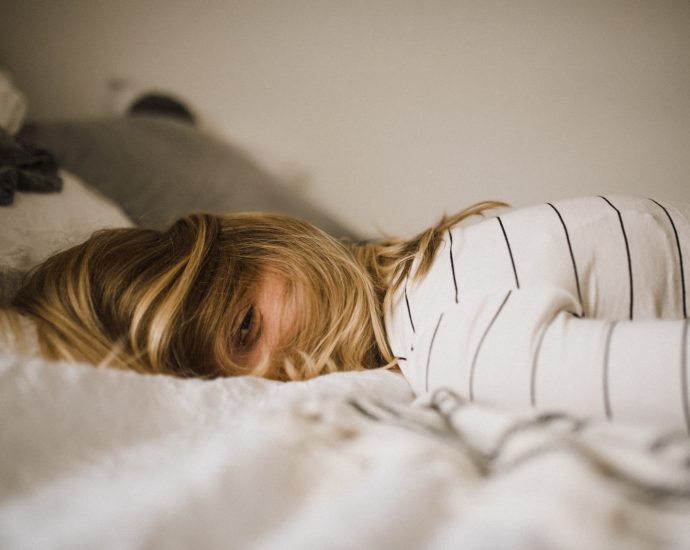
95, 458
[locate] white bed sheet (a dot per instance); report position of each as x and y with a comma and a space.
98, 458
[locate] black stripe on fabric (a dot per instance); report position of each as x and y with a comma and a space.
535, 362
409, 311
572, 256
428, 357
680, 255
481, 342
605, 371
361, 410
401, 358
452, 266
684, 376
510, 251
666, 439
627, 252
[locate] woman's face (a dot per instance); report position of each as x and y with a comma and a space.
266, 324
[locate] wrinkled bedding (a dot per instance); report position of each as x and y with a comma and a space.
98, 458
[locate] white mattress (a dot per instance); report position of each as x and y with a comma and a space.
95, 458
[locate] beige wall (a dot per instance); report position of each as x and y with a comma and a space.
390, 112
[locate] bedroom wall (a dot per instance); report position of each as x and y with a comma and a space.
389, 112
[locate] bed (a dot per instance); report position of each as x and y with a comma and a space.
99, 458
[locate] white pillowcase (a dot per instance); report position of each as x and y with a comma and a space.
37, 225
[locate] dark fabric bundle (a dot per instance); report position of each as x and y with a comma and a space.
25, 168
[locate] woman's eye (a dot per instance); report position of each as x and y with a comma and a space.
246, 326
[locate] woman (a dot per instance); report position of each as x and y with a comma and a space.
555, 305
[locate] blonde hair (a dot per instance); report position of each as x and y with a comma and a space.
14, 332
168, 302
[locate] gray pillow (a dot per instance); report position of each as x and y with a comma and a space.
158, 169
